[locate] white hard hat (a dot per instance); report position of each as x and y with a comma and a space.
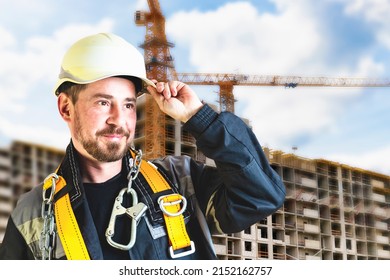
101, 56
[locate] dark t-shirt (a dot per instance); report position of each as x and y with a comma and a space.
101, 197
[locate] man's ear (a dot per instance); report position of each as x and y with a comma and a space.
64, 104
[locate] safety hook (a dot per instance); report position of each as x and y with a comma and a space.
134, 212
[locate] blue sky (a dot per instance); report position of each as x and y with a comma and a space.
335, 38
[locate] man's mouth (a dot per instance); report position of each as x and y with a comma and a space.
114, 137
113, 133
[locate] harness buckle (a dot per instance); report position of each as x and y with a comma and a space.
170, 200
183, 253
134, 212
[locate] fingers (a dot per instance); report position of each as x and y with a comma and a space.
157, 97
163, 88
163, 91
168, 89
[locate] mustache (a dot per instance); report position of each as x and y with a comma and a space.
113, 130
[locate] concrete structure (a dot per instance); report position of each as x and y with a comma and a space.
6, 195
23, 166
332, 211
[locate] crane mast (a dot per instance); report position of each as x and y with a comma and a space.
159, 66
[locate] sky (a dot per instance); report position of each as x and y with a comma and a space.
328, 38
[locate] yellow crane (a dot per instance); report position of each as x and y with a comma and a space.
227, 81
160, 66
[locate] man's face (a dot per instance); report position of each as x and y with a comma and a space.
104, 119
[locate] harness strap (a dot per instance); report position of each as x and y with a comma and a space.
68, 229
70, 234
172, 209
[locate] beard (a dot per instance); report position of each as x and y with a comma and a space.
101, 151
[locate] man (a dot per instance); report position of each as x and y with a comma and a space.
105, 202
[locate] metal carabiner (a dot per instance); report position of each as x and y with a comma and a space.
134, 212
49, 198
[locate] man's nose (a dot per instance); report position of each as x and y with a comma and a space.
117, 116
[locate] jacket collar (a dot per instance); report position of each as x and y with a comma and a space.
69, 169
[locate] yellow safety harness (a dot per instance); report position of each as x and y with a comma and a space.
172, 209
172, 206
67, 227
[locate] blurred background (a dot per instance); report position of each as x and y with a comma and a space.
333, 38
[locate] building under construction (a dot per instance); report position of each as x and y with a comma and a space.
22, 166
332, 211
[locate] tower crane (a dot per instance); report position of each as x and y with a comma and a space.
160, 66
227, 81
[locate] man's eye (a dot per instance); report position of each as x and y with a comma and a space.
103, 103
130, 106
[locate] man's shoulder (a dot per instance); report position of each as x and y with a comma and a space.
34, 193
29, 202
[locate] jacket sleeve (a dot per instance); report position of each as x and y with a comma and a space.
243, 188
14, 246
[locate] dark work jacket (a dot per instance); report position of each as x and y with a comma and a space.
239, 191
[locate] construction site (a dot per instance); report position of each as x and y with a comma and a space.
332, 211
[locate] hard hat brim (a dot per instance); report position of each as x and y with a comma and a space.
145, 82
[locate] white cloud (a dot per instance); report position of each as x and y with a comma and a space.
367, 67
281, 116
383, 36
36, 60
376, 159
24, 8
373, 11
141, 5
236, 36
39, 133
7, 39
